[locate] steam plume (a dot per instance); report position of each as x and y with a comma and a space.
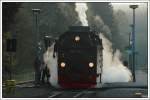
52, 65
113, 69
81, 9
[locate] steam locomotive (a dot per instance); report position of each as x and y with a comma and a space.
79, 53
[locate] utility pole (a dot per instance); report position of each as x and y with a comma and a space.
133, 41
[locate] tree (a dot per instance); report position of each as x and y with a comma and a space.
54, 19
9, 9
8, 12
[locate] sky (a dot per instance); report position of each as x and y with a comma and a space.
125, 6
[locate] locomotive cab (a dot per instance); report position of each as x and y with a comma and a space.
77, 58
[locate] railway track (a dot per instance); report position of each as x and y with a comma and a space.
55, 94
68, 94
100, 93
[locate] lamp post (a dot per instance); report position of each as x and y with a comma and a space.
130, 56
36, 12
37, 62
133, 40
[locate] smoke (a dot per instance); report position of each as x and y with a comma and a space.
81, 9
52, 65
113, 69
100, 26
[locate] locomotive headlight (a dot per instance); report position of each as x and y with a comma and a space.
62, 64
91, 64
77, 38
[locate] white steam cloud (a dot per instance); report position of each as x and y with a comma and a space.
52, 65
81, 9
113, 69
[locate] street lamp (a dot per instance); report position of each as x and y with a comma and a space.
133, 40
36, 12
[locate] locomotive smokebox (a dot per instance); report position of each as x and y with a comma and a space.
79, 28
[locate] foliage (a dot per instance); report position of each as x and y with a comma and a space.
8, 12
54, 19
